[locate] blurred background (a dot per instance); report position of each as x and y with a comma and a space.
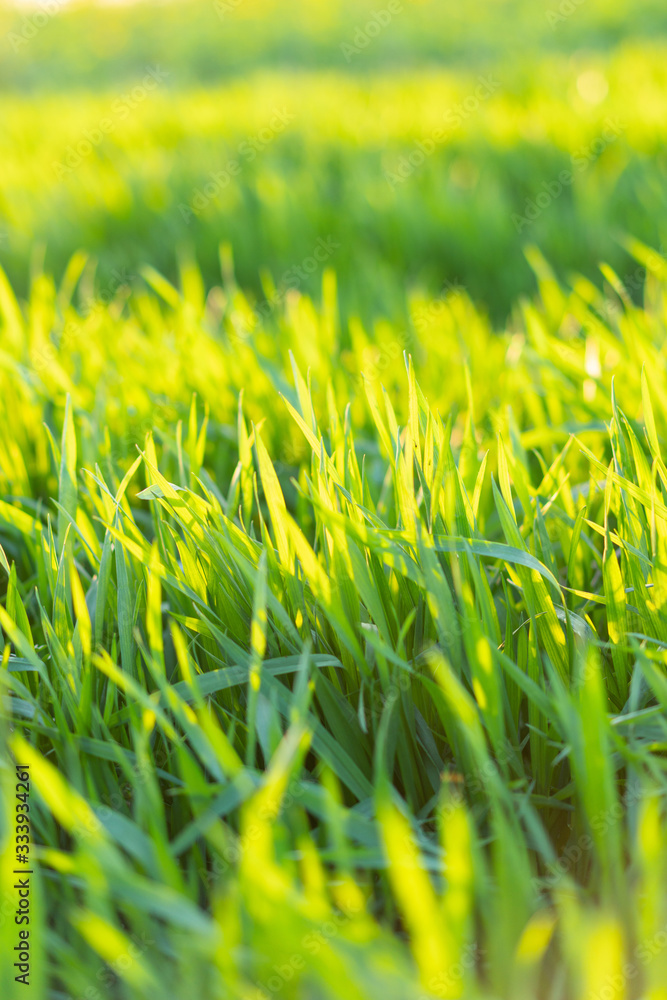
407, 144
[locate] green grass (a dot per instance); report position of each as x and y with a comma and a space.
333, 598
332, 690
134, 192
208, 41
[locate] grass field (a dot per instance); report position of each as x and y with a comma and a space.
431, 155
333, 505
386, 713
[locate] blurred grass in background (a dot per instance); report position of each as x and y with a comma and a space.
362, 104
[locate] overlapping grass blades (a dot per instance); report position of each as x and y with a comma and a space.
329, 694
